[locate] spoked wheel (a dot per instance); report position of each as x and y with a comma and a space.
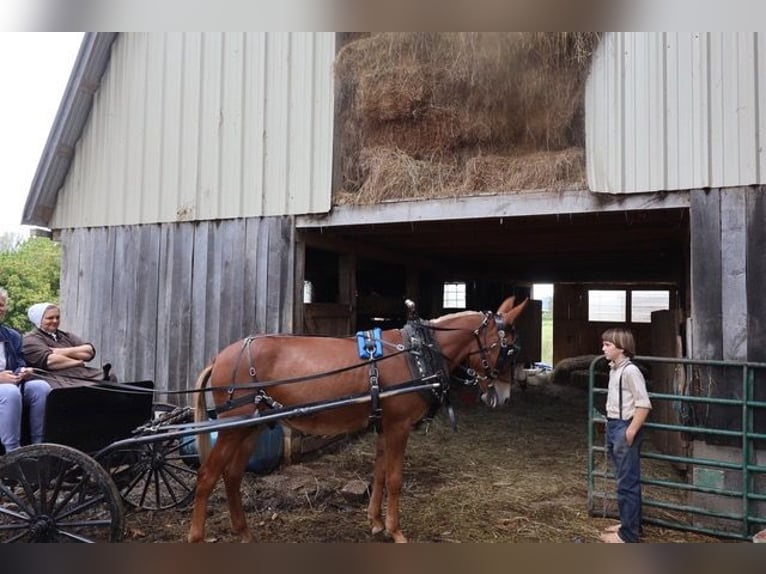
54, 493
153, 476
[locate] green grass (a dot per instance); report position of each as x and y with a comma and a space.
547, 343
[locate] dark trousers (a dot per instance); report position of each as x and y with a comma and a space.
626, 461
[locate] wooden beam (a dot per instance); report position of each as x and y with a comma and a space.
511, 204
705, 226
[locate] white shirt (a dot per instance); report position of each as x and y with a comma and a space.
633, 391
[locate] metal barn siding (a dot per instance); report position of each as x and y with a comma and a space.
669, 111
159, 301
205, 126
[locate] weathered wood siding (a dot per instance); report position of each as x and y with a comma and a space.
705, 228
755, 282
728, 267
159, 301
669, 379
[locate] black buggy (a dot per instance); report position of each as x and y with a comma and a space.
107, 447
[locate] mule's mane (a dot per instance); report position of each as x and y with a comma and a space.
458, 315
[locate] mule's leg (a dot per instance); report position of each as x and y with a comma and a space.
378, 476
232, 479
396, 442
207, 475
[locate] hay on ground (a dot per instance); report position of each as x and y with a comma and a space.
516, 474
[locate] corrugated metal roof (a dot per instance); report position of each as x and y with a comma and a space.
680, 110
70, 119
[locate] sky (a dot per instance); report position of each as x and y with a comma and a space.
34, 68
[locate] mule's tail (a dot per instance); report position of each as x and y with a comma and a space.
200, 412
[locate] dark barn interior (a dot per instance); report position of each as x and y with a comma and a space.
361, 274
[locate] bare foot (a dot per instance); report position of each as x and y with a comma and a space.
611, 538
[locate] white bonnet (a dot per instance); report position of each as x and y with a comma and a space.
36, 312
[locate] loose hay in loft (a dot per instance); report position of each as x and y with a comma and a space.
488, 111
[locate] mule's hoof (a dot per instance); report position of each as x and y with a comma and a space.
245, 535
376, 529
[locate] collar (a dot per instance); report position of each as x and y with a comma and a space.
623, 363
53, 336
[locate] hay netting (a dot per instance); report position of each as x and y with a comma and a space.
443, 114
516, 474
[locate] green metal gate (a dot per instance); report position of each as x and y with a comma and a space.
695, 476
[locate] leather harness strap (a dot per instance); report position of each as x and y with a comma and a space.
373, 349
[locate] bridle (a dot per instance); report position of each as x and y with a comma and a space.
505, 353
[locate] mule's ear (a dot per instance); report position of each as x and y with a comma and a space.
510, 316
506, 305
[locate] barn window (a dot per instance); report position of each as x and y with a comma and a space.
626, 306
454, 295
606, 305
642, 303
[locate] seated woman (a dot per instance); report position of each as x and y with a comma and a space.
64, 355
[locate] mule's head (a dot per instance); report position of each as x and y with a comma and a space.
492, 357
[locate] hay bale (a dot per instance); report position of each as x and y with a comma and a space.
565, 367
448, 97
393, 174
388, 172
538, 170
430, 134
391, 94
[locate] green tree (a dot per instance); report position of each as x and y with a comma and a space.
30, 272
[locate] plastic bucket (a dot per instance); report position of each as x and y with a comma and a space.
267, 453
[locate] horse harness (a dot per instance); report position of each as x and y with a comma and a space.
425, 360
505, 354
260, 396
370, 347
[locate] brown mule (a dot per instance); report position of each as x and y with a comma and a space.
272, 372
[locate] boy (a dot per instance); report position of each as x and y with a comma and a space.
627, 407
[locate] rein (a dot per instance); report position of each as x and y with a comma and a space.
425, 370
127, 387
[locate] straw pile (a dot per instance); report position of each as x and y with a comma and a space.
443, 114
516, 474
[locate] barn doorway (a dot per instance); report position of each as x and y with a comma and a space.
424, 249
543, 292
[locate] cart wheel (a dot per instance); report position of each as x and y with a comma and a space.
55, 493
156, 475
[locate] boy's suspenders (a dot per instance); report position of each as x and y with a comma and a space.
622, 372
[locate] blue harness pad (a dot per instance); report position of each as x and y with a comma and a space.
365, 342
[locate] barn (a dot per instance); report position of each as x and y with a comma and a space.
206, 186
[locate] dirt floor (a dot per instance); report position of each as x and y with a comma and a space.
515, 474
